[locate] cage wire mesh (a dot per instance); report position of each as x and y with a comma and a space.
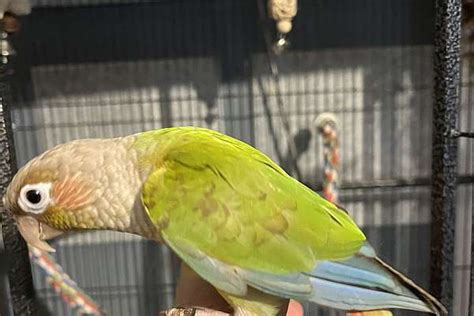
85, 69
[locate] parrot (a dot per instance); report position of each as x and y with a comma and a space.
236, 218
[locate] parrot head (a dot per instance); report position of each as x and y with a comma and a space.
83, 185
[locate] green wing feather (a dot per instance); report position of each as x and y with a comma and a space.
233, 203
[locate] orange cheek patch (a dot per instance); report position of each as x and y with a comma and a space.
71, 193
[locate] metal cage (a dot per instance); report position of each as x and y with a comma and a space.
390, 71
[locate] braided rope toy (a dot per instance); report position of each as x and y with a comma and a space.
327, 127
63, 285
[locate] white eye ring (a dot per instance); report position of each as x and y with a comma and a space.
35, 198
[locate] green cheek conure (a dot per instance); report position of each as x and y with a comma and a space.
232, 214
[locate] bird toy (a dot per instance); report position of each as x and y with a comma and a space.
326, 124
283, 12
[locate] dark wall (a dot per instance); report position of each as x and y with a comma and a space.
226, 29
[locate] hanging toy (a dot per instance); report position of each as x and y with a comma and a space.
327, 127
283, 12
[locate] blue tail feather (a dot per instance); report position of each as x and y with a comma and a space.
365, 282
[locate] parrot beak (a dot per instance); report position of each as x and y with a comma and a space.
35, 233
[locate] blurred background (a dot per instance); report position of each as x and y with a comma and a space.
103, 68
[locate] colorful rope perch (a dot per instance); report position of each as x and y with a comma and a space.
64, 285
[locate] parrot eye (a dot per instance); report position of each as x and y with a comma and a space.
34, 198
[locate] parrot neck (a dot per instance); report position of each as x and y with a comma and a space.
139, 222
141, 225
119, 206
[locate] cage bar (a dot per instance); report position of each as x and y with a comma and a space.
446, 98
